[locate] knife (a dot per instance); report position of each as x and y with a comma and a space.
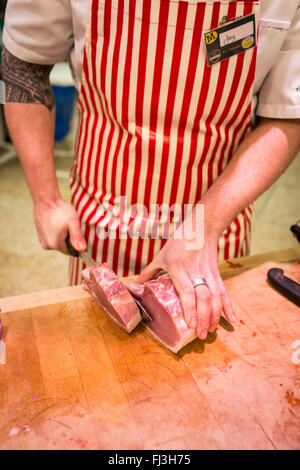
86, 258
89, 261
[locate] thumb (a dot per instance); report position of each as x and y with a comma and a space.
76, 236
148, 273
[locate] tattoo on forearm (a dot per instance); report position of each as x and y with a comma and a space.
26, 82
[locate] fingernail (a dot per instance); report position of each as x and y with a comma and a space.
212, 328
193, 323
81, 245
203, 334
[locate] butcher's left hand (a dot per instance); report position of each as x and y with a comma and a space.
202, 305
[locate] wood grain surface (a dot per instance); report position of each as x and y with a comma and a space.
74, 380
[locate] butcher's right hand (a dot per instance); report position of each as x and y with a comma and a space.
54, 221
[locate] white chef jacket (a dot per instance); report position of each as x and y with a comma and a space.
46, 32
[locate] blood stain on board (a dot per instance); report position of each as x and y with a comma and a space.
80, 442
290, 397
234, 265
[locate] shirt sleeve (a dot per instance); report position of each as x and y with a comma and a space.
39, 31
279, 95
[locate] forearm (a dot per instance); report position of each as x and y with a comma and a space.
30, 116
31, 128
259, 161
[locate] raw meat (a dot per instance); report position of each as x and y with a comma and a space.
160, 299
103, 284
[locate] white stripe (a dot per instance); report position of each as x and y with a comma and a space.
182, 75
151, 52
169, 48
192, 111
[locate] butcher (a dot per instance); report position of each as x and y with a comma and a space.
165, 121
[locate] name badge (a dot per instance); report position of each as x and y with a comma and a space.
230, 39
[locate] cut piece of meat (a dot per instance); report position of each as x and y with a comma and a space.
103, 284
160, 299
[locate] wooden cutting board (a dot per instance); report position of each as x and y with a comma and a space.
74, 380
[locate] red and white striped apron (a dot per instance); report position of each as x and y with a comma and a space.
157, 125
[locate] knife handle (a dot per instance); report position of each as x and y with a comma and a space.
285, 285
71, 248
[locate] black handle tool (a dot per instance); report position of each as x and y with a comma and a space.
284, 285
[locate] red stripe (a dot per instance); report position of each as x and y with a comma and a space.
189, 84
115, 65
84, 136
114, 82
104, 122
141, 78
200, 107
242, 249
216, 103
125, 98
125, 104
126, 86
151, 253
247, 128
230, 98
172, 87
94, 89
80, 110
157, 79
174, 74
226, 243
100, 140
94, 37
107, 118
125, 120
237, 238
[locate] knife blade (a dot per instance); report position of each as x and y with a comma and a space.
86, 258
89, 261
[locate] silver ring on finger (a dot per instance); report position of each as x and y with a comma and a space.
199, 281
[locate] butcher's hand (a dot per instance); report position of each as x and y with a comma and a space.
54, 221
202, 305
